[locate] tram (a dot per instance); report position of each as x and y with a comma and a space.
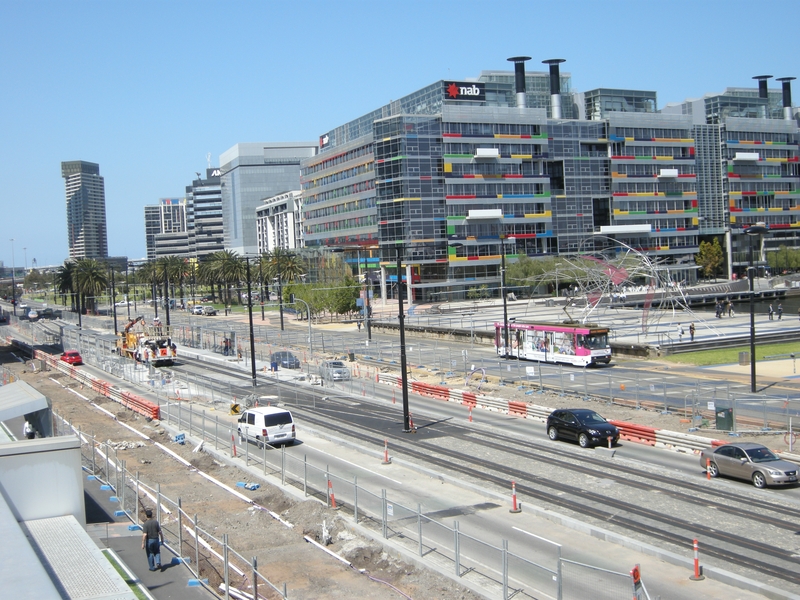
576, 344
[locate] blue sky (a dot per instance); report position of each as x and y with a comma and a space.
148, 89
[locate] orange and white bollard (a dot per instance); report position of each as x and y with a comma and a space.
708, 469
394, 393
470, 414
411, 422
330, 493
698, 576
515, 508
386, 459
233, 445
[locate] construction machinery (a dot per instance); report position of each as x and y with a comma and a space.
151, 344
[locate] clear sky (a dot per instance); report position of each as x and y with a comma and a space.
147, 89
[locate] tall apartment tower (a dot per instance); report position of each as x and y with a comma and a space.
87, 233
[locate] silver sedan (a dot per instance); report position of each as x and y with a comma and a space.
746, 460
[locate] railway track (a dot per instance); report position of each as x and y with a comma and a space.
741, 529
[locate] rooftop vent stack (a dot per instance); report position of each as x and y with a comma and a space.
555, 86
762, 85
519, 78
787, 97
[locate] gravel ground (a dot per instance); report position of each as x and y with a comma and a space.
283, 554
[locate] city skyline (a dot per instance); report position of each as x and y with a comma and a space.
110, 100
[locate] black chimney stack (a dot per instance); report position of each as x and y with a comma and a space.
787, 96
555, 86
519, 78
762, 85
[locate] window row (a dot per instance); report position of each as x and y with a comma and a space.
341, 192
338, 176
368, 221
354, 205
337, 160
492, 190
481, 129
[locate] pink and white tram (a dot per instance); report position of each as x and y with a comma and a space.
566, 343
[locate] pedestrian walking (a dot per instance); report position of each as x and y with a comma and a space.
28, 431
730, 308
691, 332
152, 538
680, 332
780, 311
770, 311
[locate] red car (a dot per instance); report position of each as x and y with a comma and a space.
72, 357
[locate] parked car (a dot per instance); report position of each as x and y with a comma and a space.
72, 357
334, 370
284, 359
266, 425
209, 311
197, 310
582, 425
747, 460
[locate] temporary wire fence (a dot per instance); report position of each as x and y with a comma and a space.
209, 558
509, 572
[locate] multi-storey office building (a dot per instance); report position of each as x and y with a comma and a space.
278, 222
87, 233
173, 237
206, 234
748, 161
152, 227
460, 173
249, 173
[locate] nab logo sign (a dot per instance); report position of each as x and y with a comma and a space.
215, 173
457, 90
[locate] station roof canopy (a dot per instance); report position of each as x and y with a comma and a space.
18, 399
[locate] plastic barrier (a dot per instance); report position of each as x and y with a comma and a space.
128, 400
518, 409
636, 433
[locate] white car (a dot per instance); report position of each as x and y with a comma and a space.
197, 310
266, 425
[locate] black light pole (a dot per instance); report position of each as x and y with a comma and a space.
280, 298
155, 302
13, 281
403, 367
753, 231
166, 294
114, 301
127, 291
261, 283
250, 316
503, 292
367, 290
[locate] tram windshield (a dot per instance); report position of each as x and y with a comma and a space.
593, 341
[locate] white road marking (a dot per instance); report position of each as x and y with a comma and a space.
354, 464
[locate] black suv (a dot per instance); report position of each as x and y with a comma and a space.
582, 425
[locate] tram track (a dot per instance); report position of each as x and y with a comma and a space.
655, 526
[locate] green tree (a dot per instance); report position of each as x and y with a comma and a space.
710, 258
90, 280
65, 283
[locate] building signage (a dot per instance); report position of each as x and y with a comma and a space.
323, 140
464, 90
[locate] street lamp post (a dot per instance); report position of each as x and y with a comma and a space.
250, 317
503, 291
280, 297
753, 231
403, 367
13, 281
114, 301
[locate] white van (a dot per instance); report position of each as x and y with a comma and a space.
266, 424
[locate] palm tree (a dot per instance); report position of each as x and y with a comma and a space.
232, 270
91, 279
284, 264
65, 283
146, 273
